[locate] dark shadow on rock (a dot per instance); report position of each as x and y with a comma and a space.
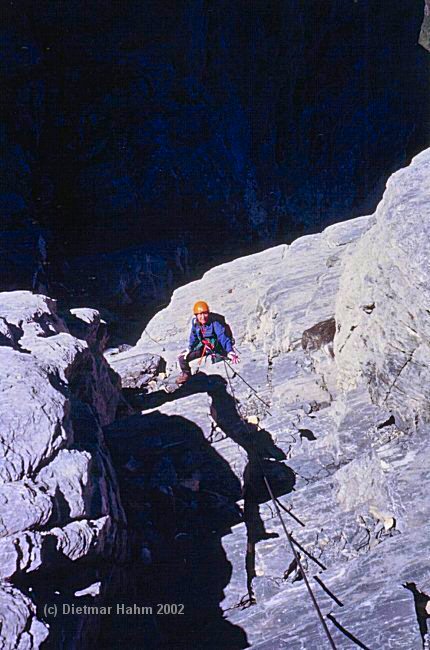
255, 492
307, 434
280, 477
180, 498
223, 410
421, 601
60, 512
259, 446
198, 383
52, 588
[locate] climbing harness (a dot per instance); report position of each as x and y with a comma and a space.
208, 348
279, 514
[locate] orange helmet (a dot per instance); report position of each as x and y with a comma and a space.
200, 306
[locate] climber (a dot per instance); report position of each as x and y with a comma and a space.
210, 335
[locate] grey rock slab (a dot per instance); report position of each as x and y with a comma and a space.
379, 612
294, 384
28, 551
55, 502
85, 323
360, 476
135, 369
20, 627
82, 538
382, 304
20, 553
346, 232
70, 474
34, 419
30, 315
88, 375
23, 505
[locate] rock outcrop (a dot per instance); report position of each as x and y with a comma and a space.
424, 39
135, 369
333, 336
59, 500
382, 310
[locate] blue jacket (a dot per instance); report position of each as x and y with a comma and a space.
214, 331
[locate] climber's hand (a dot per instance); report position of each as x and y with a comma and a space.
234, 357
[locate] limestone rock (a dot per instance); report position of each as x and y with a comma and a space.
30, 315
85, 323
69, 473
319, 335
382, 305
135, 369
59, 499
20, 628
35, 421
424, 38
360, 478
23, 505
334, 435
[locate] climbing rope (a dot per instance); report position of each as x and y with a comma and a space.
279, 514
154, 340
226, 363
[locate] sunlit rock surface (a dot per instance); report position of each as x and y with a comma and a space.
135, 369
382, 308
59, 500
359, 472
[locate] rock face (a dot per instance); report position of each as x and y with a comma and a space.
59, 500
424, 39
345, 424
382, 310
134, 276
